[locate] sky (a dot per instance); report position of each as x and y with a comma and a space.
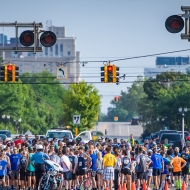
106, 30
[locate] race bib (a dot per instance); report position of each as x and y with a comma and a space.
80, 163
126, 161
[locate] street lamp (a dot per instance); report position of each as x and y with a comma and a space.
182, 112
17, 124
5, 119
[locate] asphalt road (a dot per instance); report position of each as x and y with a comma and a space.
119, 129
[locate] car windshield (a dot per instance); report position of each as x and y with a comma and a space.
7, 133
171, 138
59, 134
161, 132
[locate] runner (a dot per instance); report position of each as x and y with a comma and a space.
178, 164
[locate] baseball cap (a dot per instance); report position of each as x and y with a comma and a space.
39, 146
56, 147
99, 138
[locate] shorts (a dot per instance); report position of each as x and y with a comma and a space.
149, 172
108, 173
99, 171
141, 175
23, 174
29, 173
82, 172
126, 171
176, 173
65, 174
156, 172
74, 176
2, 177
185, 171
15, 174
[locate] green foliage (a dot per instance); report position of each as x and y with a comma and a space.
127, 107
39, 105
81, 99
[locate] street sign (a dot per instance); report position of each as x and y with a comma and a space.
61, 73
76, 119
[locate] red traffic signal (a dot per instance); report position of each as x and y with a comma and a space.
110, 68
48, 39
174, 24
27, 38
9, 68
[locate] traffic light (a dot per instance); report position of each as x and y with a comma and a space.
110, 73
104, 75
2, 73
115, 73
174, 24
9, 73
27, 38
47, 39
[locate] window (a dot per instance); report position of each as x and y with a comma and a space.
51, 51
46, 51
56, 49
61, 50
69, 53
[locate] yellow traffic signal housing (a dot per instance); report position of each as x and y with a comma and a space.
9, 73
115, 73
104, 74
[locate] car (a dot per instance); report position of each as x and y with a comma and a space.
165, 131
174, 139
135, 121
6, 132
2, 137
59, 133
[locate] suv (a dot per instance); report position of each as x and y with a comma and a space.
58, 133
135, 121
174, 139
165, 131
6, 132
186, 133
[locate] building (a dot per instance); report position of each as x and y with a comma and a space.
168, 64
62, 53
3, 39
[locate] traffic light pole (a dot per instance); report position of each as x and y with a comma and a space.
17, 25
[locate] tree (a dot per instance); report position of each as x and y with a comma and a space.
81, 99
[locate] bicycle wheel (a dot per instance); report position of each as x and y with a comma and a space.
86, 184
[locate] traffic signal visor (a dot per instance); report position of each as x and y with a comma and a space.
174, 24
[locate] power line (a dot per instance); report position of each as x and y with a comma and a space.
113, 60
97, 82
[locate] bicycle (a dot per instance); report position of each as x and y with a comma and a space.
87, 183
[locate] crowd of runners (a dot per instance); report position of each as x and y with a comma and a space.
113, 164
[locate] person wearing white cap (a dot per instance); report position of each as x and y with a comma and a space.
38, 158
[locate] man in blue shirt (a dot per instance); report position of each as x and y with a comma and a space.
3, 165
93, 163
158, 167
15, 162
38, 159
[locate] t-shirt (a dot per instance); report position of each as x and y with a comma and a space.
19, 141
65, 163
186, 157
157, 160
3, 163
166, 162
109, 160
94, 158
15, 161
176, 163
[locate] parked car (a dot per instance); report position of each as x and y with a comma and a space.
2, 137
6, 132
165, 131
174, 139
135, 121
